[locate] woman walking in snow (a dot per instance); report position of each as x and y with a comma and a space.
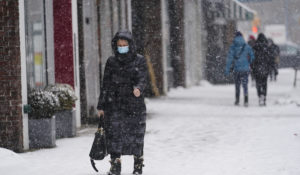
240, 57
121, 102
261, 67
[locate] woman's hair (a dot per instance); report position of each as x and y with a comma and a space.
238, 33
262, 38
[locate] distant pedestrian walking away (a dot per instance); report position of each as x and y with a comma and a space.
121, 102
274, 54
251, 43
262, 65
239, 58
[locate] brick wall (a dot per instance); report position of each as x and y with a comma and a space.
10, 77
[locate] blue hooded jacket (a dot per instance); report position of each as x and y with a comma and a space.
241, 64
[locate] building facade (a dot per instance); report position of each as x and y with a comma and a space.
11, 122
39, 49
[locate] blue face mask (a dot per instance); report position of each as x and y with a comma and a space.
123, 50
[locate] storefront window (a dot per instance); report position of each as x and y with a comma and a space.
35, 44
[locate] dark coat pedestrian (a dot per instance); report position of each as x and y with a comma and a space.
274, 54
263, 62
261, 67
251, 43
122, 101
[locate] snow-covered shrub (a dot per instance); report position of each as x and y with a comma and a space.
65, 94
43, 104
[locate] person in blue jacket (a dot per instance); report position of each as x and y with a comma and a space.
239, 59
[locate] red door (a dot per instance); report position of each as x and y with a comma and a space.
63, 42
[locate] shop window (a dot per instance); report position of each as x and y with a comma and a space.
35, 44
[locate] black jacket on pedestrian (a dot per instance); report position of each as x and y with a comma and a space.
274, 50
274, 53
263, 60
125, 114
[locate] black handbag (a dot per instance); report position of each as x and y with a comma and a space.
99, 149
236, 58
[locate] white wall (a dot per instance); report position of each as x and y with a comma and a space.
50, 41
129, 15
123, 14
91, 54
115, 16
165, 42
106, 31
76, 61
193, 44
201, 41
23, 73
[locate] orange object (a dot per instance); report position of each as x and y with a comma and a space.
254, 29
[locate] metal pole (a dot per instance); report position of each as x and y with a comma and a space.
295, 80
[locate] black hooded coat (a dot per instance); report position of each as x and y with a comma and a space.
125, 114
263, 61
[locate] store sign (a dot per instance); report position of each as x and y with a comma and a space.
254, 0
277, 32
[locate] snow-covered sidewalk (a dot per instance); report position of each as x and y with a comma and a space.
191, 132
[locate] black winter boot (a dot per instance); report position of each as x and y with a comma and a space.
138, 165
115, 168
237, 100
246, 104
265, 99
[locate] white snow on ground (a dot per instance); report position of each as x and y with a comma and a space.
193, 131
12, 161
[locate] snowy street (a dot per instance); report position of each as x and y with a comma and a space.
164, 75
193, 131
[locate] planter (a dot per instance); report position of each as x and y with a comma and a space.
42, 133
65, 123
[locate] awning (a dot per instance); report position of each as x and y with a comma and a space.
230, 9
240, 11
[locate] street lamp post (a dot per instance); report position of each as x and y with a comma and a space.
286, 11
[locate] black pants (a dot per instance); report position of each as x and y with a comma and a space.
118, 155
115, 155
261, 85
